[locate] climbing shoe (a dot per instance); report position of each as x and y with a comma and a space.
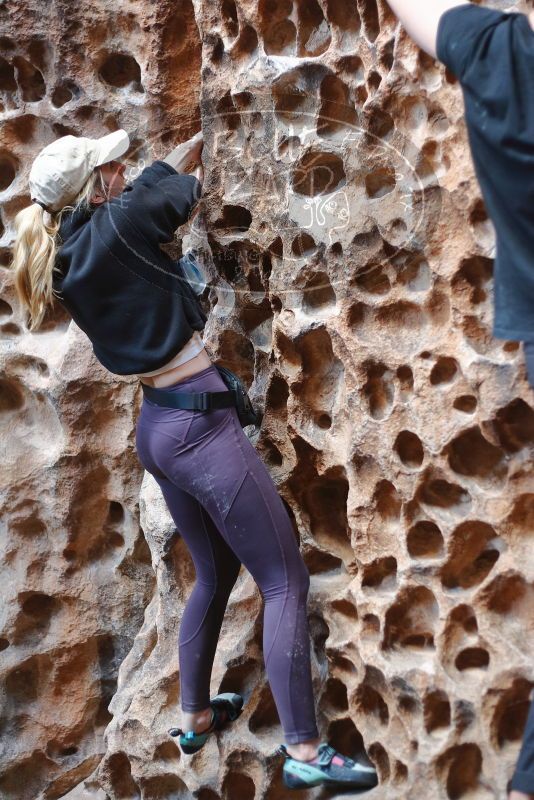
329, 768
225, 708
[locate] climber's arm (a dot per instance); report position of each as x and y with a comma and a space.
420, 18
185, 153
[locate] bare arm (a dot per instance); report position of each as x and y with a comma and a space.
420, 18
185, 153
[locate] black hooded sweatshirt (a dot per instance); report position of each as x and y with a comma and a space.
131, 299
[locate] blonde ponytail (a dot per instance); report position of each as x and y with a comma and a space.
35, 250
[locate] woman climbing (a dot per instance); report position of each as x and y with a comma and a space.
94, 243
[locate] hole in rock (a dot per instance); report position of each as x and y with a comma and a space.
373, 279
381, 760
4, 643
167, 751
303, 245
380, 182
387, 500
318, 293
10, 329
40, 607
277, 394
344, 14
405, 376
400, 772
26, 520
415, 274
121, 69
322, 374
401, 315
424, 540
341, 664
471, 556
460, 768
11, 397
337, 111
478, 212
411, 620
473, 278
319, 631
505, 592
437, 710
56, 750
324, 499
276, 248
229, 18
237, 785
379, 123
370, 19
7, 76
511, 711
318, 173
443, 371
237, 354
279, 33
472, 658
319, 561
271, 453
313, 29
407, 703
515, 425
374, 80
63, 93
217, 48
5, 309
166, 786
235, 218
471, 454
464, 616
240, 678
521, 518
442, 494
8, 170
56, 317
264, 715
227, 111
335, 695
30, 80
345, 737
379, 389
380, 573
26, 776
206, 794
115, 513
119, 771
345, 607
466, 403
371, 703
370, 625
409, 449
24, 681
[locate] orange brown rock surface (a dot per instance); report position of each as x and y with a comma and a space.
350, 257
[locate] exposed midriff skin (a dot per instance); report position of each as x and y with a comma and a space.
167, 378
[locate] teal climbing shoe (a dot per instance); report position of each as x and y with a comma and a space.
225, 708
330, 768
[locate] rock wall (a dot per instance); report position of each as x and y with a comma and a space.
351, 258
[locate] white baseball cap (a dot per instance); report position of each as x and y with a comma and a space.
62, 167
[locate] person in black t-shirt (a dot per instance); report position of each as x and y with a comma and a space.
492, 55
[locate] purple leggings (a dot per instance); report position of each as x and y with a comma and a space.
226, 508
